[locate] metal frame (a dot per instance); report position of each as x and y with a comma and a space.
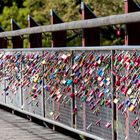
112, 50
109, 48
98, 22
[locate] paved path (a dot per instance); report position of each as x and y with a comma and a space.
13, 127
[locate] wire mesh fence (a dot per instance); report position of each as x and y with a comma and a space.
73, 87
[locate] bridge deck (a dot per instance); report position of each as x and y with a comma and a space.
13, 127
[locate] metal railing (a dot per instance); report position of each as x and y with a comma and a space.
98, 22
92, 91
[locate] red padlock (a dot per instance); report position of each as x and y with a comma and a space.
119, 57
124, 90
76, 80
120, 106
75, 110
135, 122
72, 95
117, 83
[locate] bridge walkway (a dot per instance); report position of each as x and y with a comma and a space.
13, 127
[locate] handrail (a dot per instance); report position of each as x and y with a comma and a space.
98, 22
108, 48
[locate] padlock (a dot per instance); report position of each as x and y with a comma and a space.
34, 96
89, 126
101, 84
92, 107
75, 110
84, 98
76, 80
58, 97
129, 91
98, 122
124, 90
69, 82
99, 78
102, 102
51, 113
128, 103
106, 90
124, 112
132, 107
120, 106
98, 101
116, 100
43, 62
57, 117
135, 122
96, 64
100, 94
108, 125
77, 57
117, 82
92, 92
108, 103
72, 95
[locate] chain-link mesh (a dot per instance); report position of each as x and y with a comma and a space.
127, 72
58, 85
75, 89
2, 78
32, 82
93, 92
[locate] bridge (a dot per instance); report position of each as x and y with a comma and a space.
88, 92
17, 128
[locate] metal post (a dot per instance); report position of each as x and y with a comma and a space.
3, 41
114, 109
91, 36
35, 40
73, 102
44, 96
59, 38
17, 41
132, 29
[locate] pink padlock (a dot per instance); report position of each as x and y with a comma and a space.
98, 122
108, 125
100, 94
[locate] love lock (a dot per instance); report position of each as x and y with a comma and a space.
108, 125
75, 110
98, 122
135, 122
100, 94
132, 107
121, 105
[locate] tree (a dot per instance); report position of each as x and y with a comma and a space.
9, 3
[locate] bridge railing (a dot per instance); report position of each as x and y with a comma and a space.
92, 91
133, 17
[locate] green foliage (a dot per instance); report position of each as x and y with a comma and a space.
68, 10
